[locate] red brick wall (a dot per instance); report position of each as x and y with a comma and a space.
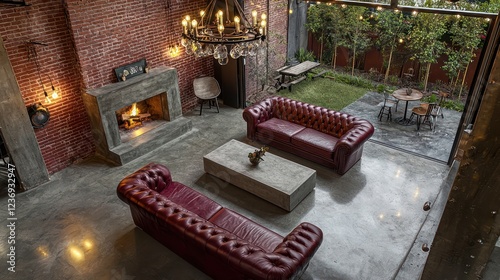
83, 49
275, 52
66, 138
111, 34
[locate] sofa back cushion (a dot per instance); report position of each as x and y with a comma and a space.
191, 200
311, 116
247, 230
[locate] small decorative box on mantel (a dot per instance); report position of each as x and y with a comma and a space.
131, 70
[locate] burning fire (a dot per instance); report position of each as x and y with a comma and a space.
134, 111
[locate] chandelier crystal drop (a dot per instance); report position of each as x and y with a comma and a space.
216, 34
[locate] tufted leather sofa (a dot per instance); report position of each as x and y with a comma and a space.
218, 241
318, 134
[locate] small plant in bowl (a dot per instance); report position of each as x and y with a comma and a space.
256, 156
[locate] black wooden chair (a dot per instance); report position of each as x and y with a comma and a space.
386, 106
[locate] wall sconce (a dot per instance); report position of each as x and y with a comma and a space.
32, 54
47, 99
54, 94
174, 51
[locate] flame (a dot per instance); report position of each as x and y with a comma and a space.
134, 111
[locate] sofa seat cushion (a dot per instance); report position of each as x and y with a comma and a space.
191, 200
277, 130
247, 230
318, 143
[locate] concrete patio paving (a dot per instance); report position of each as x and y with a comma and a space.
432, 144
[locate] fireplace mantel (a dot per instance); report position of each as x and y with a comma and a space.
101, 104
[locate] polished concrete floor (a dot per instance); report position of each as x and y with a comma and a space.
75, 227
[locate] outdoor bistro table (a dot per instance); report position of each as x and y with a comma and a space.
401, 94
298, 69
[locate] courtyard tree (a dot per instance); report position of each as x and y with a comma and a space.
425, 40
391, 28
319, 23
465, 38
355, 29
334, 35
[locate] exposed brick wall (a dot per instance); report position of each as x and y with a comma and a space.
275, 52
111, 34
87, 39
66, 138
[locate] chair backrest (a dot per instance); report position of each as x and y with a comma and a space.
431, 109
387, 97
206, 87
443, 95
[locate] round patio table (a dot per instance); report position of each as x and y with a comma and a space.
401, 94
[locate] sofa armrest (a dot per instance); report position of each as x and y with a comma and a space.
353, 139
288, 261
255, 114
153, 176
299, 246
356, 136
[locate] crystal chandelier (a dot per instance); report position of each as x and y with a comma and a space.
214, 32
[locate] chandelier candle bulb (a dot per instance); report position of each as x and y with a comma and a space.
263, 24
237, 24
254, 18
221, 29
220, 14
184, 25
194, 24
188, 19
202, 14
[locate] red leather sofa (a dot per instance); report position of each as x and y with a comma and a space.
218, 241
318, 134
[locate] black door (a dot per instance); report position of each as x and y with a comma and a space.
231, 78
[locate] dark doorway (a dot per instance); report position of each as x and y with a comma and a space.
231, 79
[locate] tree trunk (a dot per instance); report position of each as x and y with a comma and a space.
426, 79
353, 61
334, 58
453, 83
463, 80
388, 65
321, 49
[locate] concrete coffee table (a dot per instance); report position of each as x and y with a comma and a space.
277, 180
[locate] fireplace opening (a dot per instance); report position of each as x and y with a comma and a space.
141, 117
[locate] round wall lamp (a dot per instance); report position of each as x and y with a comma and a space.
39, 115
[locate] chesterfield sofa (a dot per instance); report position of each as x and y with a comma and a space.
217, 240
327, 137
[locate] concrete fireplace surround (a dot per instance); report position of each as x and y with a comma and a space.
101, 104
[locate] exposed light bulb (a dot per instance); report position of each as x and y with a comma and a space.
47, 99
54, 94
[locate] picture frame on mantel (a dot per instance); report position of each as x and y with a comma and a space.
131, 70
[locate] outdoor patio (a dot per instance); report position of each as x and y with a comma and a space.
433, 144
